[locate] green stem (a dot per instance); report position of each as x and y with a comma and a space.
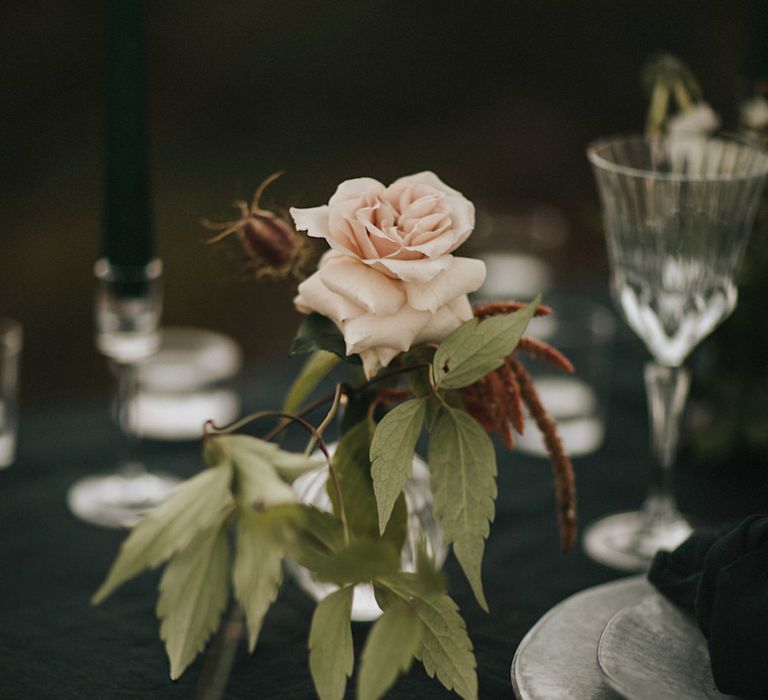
263, 186
220, 657
326, 421
346, 390
431, 379
682, 97
317, 435
657, 111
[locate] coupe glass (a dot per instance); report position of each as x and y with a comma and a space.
677, 213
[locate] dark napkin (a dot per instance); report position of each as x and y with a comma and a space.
721, 577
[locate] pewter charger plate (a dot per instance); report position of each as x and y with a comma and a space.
651, 650
558, 656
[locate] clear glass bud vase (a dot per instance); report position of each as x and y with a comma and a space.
421, 528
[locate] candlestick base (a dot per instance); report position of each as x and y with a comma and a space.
119, 500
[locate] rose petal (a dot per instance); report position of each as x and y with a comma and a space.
386, 355
376, 359
346, 234
462, 215
315, 296
445, 321
380, 241
427, 205
371, 363
364, 286
462, 308
414, 270
357, 187
460, 209
393, 331
301, 305
462, 222
426, 177
428, 224
313, 220
465, 275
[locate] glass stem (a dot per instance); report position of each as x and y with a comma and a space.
667, 389
125, 402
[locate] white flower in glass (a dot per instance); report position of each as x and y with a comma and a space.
700, 119
754, 113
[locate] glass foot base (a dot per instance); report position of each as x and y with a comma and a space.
628, 541
118, 500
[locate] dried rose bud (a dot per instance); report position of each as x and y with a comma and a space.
265, 236
269, 245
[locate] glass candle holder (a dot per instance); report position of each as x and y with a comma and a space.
128, 304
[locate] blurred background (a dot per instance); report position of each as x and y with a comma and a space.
499, 98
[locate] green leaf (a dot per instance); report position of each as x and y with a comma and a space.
317, 332
194, 506
391, 454
362, 560
434, 406
477, 347
193, 593
445, 649
425, 582
258, 569
323, 527
287, 519
418, 380
331, 656
315, 368
356, 409
258, 484
417, 355
462, 463
261, 468
303, 532
353, 466
290, 465
389, 650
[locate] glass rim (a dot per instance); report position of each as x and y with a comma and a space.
603, 163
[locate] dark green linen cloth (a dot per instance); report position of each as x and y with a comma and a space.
53, 644
721, 577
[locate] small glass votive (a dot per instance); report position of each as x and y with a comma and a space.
11, 339
584, 332
186, 382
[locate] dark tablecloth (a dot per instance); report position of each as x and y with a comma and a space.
53, 644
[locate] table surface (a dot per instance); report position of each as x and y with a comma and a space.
54, 644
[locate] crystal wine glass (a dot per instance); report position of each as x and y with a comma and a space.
677, 213
127, 314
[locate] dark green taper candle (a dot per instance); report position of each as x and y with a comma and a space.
127, 222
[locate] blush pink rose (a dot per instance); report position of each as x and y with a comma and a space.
389, 281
